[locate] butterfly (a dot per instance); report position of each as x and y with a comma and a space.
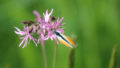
64, 39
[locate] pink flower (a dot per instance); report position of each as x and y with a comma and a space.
48, 27
44, 27
26, 35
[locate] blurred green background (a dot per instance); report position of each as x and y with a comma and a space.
95, 23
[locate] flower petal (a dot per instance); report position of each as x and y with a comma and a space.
25, 44
22, 42
60, 30
56, 39
38, 16
17, 29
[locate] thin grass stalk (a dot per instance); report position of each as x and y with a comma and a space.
44, 54
113, 58
54, 57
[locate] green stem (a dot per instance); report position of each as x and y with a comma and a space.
44, 55
71, 58
113, 58
54, 57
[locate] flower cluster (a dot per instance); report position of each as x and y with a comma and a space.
44, 27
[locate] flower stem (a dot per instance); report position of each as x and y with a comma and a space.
113, 59
44, 55
54, 57
71, 58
